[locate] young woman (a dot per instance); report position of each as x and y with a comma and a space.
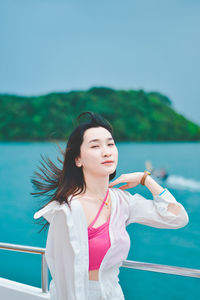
87, 238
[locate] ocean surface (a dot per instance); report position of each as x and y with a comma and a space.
176, 247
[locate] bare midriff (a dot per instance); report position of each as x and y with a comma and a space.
94, 274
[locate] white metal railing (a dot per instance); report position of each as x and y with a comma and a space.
35, 250
182, 271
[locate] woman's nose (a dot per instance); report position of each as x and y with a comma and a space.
106, 151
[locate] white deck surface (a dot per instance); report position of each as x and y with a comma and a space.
12, 290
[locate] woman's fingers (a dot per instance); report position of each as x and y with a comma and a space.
123, 187
130, 179
123, 178
111, 184
116, 181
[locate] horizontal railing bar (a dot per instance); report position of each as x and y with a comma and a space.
182, 271
21, 248
174, 270
35, 250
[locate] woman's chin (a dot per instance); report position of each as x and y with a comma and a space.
105, 171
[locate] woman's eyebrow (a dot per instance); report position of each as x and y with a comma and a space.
97, 140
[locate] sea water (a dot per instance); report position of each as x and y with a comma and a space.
175, 247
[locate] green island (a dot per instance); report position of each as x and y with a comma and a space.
135, 115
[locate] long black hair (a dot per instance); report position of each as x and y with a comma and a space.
58, 183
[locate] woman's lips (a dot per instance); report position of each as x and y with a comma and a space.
108, 163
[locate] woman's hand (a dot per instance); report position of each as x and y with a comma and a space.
131, 179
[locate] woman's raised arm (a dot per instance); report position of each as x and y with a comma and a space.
161, 212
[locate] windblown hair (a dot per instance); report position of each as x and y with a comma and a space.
58, 183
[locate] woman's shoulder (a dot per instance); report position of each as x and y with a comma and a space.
119, 194
118, 191
126, 195
49, 210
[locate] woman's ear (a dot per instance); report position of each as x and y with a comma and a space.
77, 162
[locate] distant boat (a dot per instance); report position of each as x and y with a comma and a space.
172, 180
160, 174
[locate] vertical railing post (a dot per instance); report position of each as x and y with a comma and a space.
44, 275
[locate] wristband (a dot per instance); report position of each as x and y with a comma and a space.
146, 173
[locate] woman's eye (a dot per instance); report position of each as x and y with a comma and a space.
98, 145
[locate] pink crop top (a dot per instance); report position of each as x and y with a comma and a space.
98, 240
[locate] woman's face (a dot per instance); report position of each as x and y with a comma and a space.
98, 147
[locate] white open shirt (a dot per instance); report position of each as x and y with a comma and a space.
67, 252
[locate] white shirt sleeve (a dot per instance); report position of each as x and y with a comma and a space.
154, 212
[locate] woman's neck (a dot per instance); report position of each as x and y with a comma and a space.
96, 186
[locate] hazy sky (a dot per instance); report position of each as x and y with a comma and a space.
60, 45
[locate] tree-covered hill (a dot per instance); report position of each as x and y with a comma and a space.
134, 115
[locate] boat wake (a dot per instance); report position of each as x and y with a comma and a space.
182, 183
